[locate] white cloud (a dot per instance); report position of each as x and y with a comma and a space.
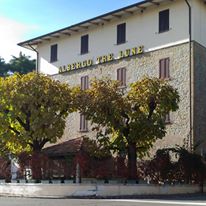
11, 33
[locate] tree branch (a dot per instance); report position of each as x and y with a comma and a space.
14, 130
43, 142
25, 126
152, 105
30, 144
126, 128
21, 123
25, 110
28, 121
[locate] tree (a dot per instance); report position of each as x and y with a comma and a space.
187, 167
191, 166
4, 68
159, 170
132, 120
22, 64
33, 111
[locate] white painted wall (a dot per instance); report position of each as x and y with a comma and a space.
199, 21
142, 29
86, 190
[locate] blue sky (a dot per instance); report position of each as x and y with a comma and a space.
21, 20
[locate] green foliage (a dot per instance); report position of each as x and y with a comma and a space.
4, 68
22, 64
95, 149
33, 109
150, 100
132, 117
128, 122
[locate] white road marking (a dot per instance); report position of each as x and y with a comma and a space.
160, 202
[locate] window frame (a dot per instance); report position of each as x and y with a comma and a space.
53, 53
164, 20
122, 76
83, 123
164, 68
84, 44
84, 82
167, 118
121, 33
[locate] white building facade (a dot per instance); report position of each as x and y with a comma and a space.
158, 38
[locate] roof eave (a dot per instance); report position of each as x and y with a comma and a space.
85, 24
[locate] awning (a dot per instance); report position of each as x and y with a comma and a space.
67, 148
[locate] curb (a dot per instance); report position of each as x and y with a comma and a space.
195, 196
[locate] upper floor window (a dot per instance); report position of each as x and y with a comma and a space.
121, 33
53, 54
163, 20
164, 68
121, 76
85, 44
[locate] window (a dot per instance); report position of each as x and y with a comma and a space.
83, 120
53, 55
167, 118
121, 33
164, 21
83, 123
84, 82
164, 65
84, 44
121, 76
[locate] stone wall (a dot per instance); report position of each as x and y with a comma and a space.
137, 67
199, 88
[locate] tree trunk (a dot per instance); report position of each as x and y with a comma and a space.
132, 161
121, 167
36, 165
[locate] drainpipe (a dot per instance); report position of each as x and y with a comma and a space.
37, 58
190, 74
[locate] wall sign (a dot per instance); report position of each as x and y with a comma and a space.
102, 59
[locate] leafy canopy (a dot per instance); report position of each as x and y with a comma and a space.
4, 68
33, 109
131, 117
21, 64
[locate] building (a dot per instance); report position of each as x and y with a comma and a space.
161, 38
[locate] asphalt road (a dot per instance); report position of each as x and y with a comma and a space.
102, 202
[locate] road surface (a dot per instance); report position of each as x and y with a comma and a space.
10, 201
